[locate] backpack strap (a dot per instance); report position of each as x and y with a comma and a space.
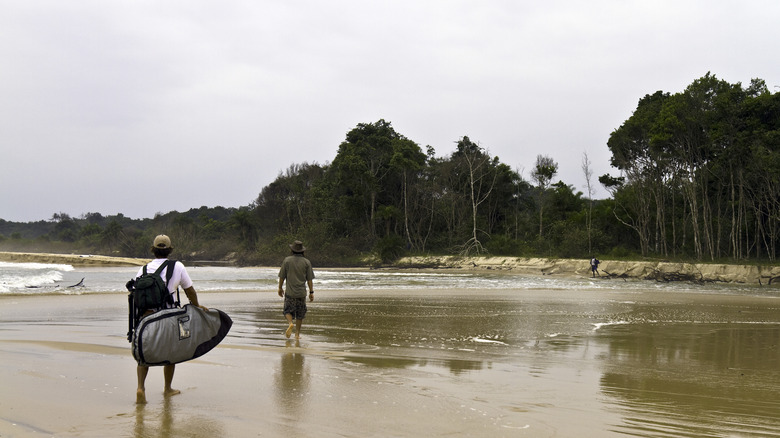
170, 264
130, 317
168, 274
159, 270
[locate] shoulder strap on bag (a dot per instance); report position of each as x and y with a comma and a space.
130, 317
160, 268
168, 274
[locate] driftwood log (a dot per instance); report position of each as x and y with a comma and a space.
771, 279
609, 275
659, 276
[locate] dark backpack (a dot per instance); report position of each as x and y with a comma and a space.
149, 292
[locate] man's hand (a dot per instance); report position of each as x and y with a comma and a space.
281, 292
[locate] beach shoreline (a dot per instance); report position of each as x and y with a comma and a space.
645, 270
70, 259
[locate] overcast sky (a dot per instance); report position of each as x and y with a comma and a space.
144, 107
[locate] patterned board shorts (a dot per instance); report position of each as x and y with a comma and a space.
295, 306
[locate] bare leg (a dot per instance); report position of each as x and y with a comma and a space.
168, 371
298, 328
290, 327
140, 393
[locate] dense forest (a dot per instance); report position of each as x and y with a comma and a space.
698, 178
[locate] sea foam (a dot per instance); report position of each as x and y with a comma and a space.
19, 277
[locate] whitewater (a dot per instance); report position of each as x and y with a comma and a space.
43, 278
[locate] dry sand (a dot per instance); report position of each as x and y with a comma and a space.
70, 259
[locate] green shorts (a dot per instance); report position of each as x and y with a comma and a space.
295, 306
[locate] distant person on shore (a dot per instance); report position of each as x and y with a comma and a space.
162, 249
296, 270
594, 266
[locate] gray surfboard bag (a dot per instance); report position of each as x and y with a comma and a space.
170, 336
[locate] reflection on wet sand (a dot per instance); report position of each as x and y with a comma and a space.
153, 423
637, 364
167, 421
535, 363
292, 379
291, 386
688, 379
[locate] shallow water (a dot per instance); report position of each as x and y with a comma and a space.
639, 364
37, 278
401, 354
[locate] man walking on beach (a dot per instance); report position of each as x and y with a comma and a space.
296, 270
162, 249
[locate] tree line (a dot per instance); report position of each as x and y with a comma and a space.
698, 179
701, 171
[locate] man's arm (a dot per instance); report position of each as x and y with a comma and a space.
193, 297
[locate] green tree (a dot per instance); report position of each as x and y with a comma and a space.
293, 195
359, 170
408, 160
543, 173
112, 237
699, 172
242, 221
645, 167
65, 229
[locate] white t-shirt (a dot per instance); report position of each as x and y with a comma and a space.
180, 276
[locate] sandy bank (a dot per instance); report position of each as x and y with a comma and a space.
661, 271
70, 259
647, 270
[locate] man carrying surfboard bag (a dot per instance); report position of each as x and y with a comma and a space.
176, 275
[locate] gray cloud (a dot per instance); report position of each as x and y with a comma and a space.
108, 106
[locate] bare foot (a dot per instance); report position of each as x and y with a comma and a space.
289, 330
140, 397
169, 392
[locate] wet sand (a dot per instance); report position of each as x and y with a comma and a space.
524, 363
